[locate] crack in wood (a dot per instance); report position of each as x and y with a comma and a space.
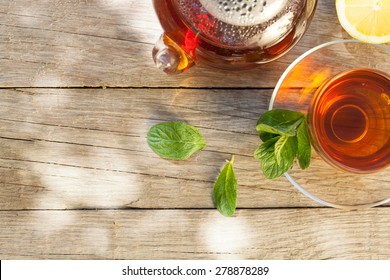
107, 169
79, 34
72, 127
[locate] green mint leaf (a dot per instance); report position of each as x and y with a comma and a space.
265, 149
225, 190
267, 156
265, 136
304, 148
285, 136
175, 140
286, 149
283, 122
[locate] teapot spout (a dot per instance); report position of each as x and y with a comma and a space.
170, 57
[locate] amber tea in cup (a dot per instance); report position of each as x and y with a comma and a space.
349, 120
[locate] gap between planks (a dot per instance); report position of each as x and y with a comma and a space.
141, 87
92, 209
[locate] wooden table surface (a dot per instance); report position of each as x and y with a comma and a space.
79, 92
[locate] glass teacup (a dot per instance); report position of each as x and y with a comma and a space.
344, 89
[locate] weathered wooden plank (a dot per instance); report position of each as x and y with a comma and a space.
69, 149
108, 43
195, 234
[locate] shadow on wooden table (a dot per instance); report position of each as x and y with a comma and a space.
78, 179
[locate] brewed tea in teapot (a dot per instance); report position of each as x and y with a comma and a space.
228, 34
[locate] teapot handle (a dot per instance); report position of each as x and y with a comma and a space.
170, 57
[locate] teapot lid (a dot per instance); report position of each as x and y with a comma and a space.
244, 12
240, 24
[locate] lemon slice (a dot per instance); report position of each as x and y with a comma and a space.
365, 20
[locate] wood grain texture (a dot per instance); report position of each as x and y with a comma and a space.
67, 43
70, 148
78, 180
196, 234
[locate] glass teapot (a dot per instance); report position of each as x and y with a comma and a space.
228, 34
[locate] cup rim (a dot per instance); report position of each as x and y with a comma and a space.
307, 53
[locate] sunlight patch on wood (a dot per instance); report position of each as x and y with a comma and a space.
50, 222
84, 188
226, 237
43, 77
